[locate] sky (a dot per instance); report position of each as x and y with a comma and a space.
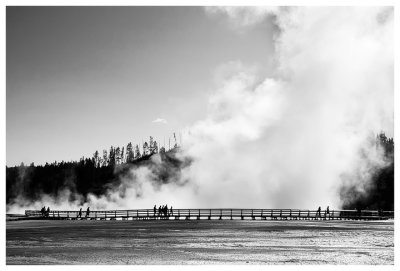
80, 79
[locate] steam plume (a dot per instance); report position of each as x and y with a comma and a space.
287, 141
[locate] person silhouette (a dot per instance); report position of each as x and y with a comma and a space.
79, 213
87, 212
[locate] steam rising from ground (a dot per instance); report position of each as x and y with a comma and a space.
285, 141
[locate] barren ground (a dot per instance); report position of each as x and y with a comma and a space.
199, 242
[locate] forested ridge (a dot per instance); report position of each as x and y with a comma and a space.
379, 192
94, 175
97, 174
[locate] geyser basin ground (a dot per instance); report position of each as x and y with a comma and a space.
199, 242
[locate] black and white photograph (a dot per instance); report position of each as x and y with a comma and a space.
211, 135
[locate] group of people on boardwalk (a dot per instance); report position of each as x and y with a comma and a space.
80, 213
163, 210
318, 213
45, 212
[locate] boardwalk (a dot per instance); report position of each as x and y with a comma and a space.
209, 214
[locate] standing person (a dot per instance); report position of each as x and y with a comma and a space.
87, 212
48, 211
79, 213
42, 210
159, 210
172, 213
155, 210
319, 211
166, 210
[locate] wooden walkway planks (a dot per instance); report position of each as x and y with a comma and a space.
252, 214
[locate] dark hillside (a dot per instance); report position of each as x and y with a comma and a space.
379, 192
84, 177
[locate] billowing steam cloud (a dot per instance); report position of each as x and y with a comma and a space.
285, 141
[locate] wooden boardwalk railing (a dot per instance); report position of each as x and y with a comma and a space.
252, 214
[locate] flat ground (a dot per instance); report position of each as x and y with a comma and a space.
199, 242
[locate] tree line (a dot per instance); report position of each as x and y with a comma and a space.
117, 155
97, 174
128, 154
92, 175
378, 193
